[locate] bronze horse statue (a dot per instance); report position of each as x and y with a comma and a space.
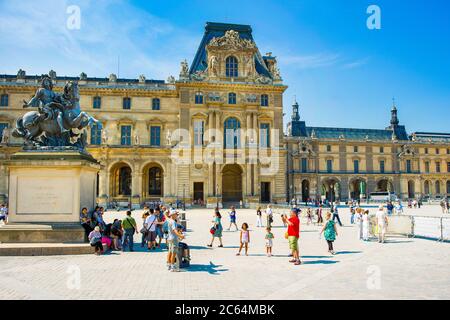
42, 128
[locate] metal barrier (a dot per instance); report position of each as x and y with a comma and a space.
445, 229
427, 227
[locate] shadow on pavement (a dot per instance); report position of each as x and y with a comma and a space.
211, 268
320, 262
347, 252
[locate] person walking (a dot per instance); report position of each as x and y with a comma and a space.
95, 239
330, 232
269, 241
150, 225
144, 230
173, 238
390, 208
293, 234
244, 239
85, 221
269, 215
232, 215
336, 215
259, 218
382, 223
216, 229
319, 215
365, 226
129, 227
359, 222
4, 213
117, 233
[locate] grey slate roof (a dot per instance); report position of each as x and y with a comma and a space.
349, 133
431, 136
214, 29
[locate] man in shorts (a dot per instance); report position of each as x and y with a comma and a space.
293, 234
173, 237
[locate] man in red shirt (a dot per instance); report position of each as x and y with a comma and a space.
293, 233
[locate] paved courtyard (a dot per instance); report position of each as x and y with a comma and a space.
400, 269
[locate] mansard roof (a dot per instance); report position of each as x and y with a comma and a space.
214, 29
352, 134
430, 136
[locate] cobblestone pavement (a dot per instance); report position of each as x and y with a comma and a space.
399, 269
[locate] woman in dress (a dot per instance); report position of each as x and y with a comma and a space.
330, 232
217, 228
365, 226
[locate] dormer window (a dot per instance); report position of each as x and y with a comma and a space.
231, 67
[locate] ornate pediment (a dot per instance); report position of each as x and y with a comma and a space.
305, 148
407, 151
232, 40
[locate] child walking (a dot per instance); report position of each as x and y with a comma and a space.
244, 238
330, 232
269, 241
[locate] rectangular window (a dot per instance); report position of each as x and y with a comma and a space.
304, 165
382, 166
155, 136
355, 148
329, 166
328, 148
97, 103
96, 135
381, 149
426, 150
427, 167
408, 166
125, 135
448, 167
4, 100
126, 103
437, 150
264, 135
198, 132
198, 98
356, 166
156, 104
438, 167
2, 127
264, 100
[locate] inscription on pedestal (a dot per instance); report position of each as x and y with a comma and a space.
45, 195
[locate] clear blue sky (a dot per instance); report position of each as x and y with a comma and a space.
342, 73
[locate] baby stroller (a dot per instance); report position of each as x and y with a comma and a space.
183, 255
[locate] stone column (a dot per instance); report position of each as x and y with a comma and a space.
255, 126
249, 127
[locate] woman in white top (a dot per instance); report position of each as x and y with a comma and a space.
365, 226
381, 223
358, 221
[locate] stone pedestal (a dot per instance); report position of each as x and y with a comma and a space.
47, 190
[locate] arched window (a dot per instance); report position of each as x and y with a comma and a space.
156, 104
426, 187
198, 98
155, 181
264, 100
125, 181
232, 98
232, 132
231, 67
437, 188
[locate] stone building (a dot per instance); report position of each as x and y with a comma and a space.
346, 163
209, 136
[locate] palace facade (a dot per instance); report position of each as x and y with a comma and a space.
215, 135
351, 164
200, 137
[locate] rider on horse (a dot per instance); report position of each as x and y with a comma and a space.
50, 105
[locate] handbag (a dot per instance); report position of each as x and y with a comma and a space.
212, 230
